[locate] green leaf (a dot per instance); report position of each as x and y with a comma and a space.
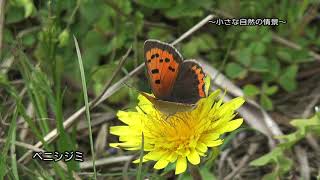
274, 67
91, 10
244, 56
301, 56
259, 64
138, 21
14, 15
259, 48
264, 86
159, 33
234, 70
271, 90
267, 158
119, 96
94, 47
303, 126
266, 102
26, 4
267, 37
202, 43
189, 49
28, 39
251, 90
64, 37
156, 4
285, 164
124, 6
7, 37
101, 75
284, 55
270, 176
287, 79
184, 9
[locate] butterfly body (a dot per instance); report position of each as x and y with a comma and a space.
176, 84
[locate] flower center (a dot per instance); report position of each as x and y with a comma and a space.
178, 132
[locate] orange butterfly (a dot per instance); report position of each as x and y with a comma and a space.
176, 84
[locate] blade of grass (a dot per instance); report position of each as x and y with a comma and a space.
38, 89
13, 150
4, 152
64, 142
2, 10
139, 174
21, 109
85, 96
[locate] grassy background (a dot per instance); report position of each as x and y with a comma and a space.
40, 82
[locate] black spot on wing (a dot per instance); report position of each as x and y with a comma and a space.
155, 71
171, 69
154, 55
157, 81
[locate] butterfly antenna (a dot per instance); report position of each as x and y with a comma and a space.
224, 59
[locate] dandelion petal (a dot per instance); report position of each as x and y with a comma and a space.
119, 130
181, 165
202, 147
194, 157
162, 163
234, 124
214, 143
230, 126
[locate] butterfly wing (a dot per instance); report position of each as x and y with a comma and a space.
168, 108
190, 85
163, 62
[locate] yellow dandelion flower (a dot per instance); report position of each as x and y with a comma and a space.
180, 138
